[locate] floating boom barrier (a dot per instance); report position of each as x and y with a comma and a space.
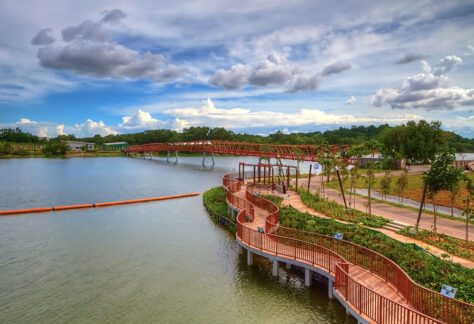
104, 204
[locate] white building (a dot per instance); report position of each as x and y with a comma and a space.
79, 146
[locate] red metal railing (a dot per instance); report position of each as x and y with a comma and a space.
428, 306
290, 152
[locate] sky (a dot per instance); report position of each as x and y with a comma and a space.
111, 67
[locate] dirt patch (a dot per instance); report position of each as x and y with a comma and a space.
443, 198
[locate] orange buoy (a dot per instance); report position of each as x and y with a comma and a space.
105, 204
25, 211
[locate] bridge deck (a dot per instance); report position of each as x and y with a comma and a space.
361, 275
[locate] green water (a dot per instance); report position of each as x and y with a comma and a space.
162, 262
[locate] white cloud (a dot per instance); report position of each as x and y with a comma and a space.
469, 50
430, 90
90, 128
304, 82
43, 37
210, 115
142, 120
445, 65
88, 51
275, 71
42, 129
235, 78
410, 57
351, 100
60, 130
335, 68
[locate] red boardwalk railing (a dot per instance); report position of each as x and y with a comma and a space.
335, 256
289, 152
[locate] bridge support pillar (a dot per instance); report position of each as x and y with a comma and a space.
176, 155
168, 157
288, 266
212, 157
241, 249
151, 155
249, 257
275, 268
330, 289
203, 158
308, 277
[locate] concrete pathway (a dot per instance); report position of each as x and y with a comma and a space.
407, 216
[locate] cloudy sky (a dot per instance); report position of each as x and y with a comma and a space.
78, 67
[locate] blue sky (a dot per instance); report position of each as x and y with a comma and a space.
254, 66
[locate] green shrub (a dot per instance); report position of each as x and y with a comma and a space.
215, 202
448, 243
334, 210
6, 148
424, 268
277, 200
56, 148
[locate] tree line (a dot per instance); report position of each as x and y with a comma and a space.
417, 141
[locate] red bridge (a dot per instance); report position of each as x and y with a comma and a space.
287, 152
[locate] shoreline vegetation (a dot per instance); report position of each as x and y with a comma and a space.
424, 268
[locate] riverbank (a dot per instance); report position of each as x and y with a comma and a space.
38, 154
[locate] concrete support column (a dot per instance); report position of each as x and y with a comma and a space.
308, 277
241, 249
168, 157
212, 156
176, 155
275, 268
288, 266
330, 289
203, 158
249, 257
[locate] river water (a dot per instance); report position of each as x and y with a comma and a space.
163, 262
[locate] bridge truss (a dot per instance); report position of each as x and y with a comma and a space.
287, 152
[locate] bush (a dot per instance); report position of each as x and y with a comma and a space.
5, 148
424, 268
56, 148
334, 210
448, 243
277, 200
215, 202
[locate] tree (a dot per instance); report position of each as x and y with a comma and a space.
393, 140
442, 176
56, 148
419, 142
370, 180
468, 211
385, 184
453, 192
401, 184
353, 176
423, 140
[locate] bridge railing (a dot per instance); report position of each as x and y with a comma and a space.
426, 301
373, 305
292, 152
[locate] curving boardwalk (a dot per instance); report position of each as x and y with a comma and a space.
372, 287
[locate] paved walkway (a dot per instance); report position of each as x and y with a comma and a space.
295, 201
407, 216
